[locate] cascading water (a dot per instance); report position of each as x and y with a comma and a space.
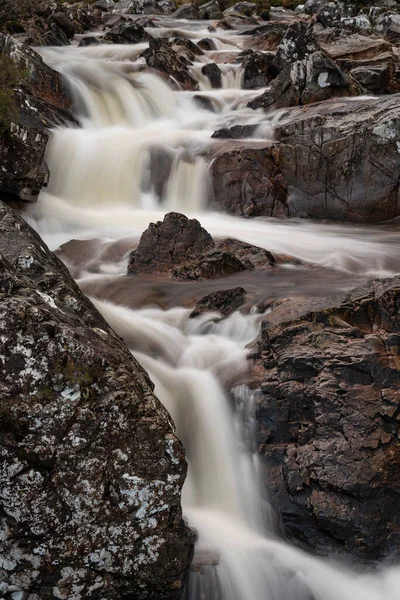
140, 153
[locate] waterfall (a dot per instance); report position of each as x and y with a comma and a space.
140, 152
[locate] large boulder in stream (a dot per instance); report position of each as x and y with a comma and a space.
161, 56
91, 470
328, 411
182, 248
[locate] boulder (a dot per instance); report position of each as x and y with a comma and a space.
105, 5
253, 257
167, 244
127, 32
65, 24
89, 40
187, 11
340, 161
306, 81
247, 182
162, 57
258, 68
388, 24
212, 265
246, 8
210, 10
91, 472
207, 44
328, 404
355, 47
224, 302
298, 43
236, 132
213, 72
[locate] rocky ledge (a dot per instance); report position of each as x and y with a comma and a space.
91, 471
328, 409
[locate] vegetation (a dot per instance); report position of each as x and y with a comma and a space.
10, 76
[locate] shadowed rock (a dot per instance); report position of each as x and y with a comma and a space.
224, 302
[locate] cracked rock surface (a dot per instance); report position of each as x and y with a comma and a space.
91, 471
328, 410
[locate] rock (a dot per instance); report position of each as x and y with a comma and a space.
246, 8
89, 41
248, 182
378, 80
266, 37
213, 72
258, 68
167, 244
41, 81
187, 11
180, 247
207, 44
328, 406
225, 302
210, 10
161, 57
187, 48
355, 47
105, 5
65, 24
341, 163
253, 257
312, 79
297, 44
236, 132
388, 24
86, 447
212, 265
149, 7
127, 32
40, 104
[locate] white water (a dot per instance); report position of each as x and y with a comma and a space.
105, 183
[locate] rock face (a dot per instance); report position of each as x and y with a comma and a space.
313, 79
328, 410
40, 103
248, 182
343, 164
258, 68
161, 57
86, 448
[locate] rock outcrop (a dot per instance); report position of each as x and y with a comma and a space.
182, 248
91, 471
40, 103
162, 57
328, 410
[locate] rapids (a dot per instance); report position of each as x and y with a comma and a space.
140, 152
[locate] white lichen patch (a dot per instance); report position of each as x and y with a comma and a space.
323, 80
386, 132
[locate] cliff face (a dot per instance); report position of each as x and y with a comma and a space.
91, 471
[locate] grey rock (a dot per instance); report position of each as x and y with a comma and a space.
127, 32
161, 56
91, 472
213, 72
187, 11
210, 10
224, 302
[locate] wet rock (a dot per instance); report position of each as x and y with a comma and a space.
378, 80
328, 407
236, 132
167, 244
89, 41
312, 79
248, 182
388, 24
127, 32
213, 265
161, 57
246, 8
105, 5
225, 302
86, 448
187, 11
297, 44
207, 44
40, 81
258, 68
186, 48
40, 104
341, 164
253, 257
213, 72
355, 47
149, 7
65, 24
210, 10
266, 37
